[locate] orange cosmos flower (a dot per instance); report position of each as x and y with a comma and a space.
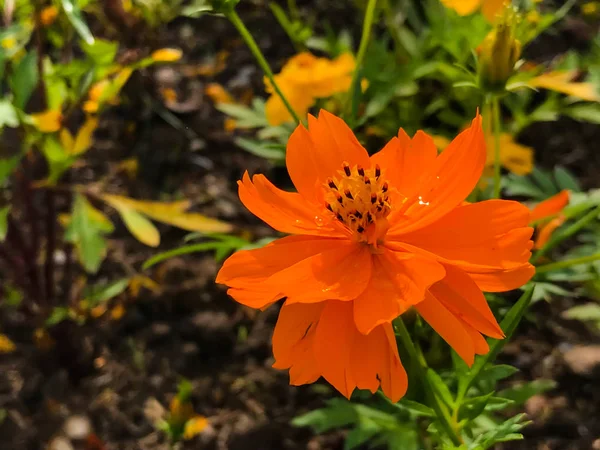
489, 8
373, 237
549, 216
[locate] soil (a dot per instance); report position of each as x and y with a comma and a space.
192, 330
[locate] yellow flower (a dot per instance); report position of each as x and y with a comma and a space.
218, 94
194, 427
48, 15
48, 121
560, 81
590, 8
166, 55
303, 79
489, 8
8, 42
515, 157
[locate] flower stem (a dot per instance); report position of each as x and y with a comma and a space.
567, 233
496, 131
568, 263
236, 20
433, 396
362, 50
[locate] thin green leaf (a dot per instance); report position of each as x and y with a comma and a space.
96, 295
76, 18
24, 79
4, 222
185, 250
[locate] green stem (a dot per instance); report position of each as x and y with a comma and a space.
362, 50
434, 397
235, 19
567, 233
496, 131
568, 263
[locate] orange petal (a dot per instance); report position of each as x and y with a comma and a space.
550, 206
491, 8
462, 7
545, 231
405, 161
460, 295
287, 212
246, 271
398, 281
491, 233
333, 343
448, 327
339, 273
318, 153
293, 341
503, 280
448, 182
479, 343
375, 361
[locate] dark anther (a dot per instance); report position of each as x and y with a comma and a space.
329, 207
339, 217
347, 170
361, 171
369, 217
331, 184
373, 198
358, 214
360, 229
348, 194
379, 208
367, 180
340, 199
384, 188
377, 171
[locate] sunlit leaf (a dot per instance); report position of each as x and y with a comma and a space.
8, 114
141, 228
76, 18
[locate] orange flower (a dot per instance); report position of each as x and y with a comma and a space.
373, 237
548, 215
489, 8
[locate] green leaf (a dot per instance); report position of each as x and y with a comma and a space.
499, 372
24, 79
273, 152
588, 312
76, 18
96, 295
86, 232
440, 387
4, 222
523, 392
101, 51
8, 115
57, 315
414, 407
545, 181
565, 180
186, 250
473, 407
7, 166
506, 431
364, 431
59, 161
588, 112
338, 413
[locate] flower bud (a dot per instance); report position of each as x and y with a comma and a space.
499, 53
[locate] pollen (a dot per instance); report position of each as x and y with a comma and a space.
359, 198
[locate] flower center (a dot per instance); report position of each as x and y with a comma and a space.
359, 198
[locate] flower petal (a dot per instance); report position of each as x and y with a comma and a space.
293, 341
287, 212
448, 182
503, 280
375, 361
398, 281
491, 8
462, 7
348, 359
545, 231
405, 161
340, 273
318, 153
460, 295
491, 233
448, 327
550, 206
247, 270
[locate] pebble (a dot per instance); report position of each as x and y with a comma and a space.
77, 427
583, 359
60, 443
